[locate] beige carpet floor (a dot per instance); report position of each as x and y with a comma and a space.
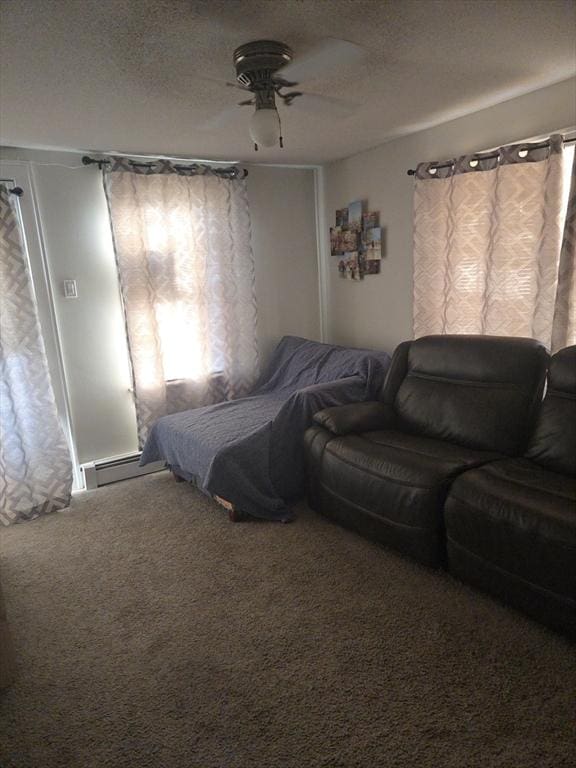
153, 633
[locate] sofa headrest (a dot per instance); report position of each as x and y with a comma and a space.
553, 442
492, 359
562, 372
476, 391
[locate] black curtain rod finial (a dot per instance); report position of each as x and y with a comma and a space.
18, 191
87, 160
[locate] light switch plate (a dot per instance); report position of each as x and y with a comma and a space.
70, 289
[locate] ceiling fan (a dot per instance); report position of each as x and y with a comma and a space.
266, 70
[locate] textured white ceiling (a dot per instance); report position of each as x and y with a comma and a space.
132, 75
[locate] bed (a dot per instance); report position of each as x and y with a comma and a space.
249, 452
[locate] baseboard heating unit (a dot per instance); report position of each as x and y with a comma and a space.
106, 471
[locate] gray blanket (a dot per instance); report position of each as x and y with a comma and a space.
250, 451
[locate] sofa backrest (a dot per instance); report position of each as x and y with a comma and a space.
553, 443
477, 391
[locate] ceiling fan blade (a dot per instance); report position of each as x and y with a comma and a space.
226, 83
314, 103
221, 119
329, 55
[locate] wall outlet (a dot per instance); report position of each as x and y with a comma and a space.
70, 289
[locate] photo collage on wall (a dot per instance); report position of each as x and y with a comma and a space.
357, 241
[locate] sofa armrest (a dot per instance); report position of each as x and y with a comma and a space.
356, 417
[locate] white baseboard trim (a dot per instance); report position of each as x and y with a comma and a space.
114, 469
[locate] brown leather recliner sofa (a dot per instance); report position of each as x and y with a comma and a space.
452, 408
511, 524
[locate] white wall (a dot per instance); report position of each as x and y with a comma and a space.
76, 233
377, 312
78, 245
283, 209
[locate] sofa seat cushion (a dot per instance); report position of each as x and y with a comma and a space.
521, 518
401, 477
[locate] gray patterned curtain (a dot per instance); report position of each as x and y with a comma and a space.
183, 248
488, 233
564, 325
35, 465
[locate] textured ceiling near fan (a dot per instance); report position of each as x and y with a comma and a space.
131, 75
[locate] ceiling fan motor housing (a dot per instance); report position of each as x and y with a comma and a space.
257, 62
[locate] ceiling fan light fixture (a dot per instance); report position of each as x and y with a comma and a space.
265, 127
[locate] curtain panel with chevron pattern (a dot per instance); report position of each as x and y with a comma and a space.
35, 464
183, 249
494, 249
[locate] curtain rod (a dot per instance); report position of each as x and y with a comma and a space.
412, 171
231, 170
